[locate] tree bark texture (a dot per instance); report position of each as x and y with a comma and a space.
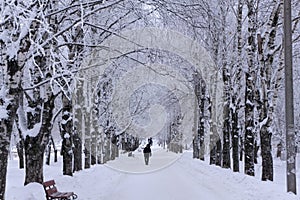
87, 141
35, 145
6, 124
78, 126
67, 136
249, 93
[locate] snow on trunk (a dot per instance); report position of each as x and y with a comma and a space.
66, 126
250, 89
11, 103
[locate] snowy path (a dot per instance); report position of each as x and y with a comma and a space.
170, 183
164, 178
192, 179
160, 159
184, 179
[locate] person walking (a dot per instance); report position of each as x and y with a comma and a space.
150, 141
147, 153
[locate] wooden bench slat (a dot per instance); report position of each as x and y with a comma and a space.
49, 183
54, 195
50, 191
62, 194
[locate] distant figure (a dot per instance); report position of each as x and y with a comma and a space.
147, 153
150, 141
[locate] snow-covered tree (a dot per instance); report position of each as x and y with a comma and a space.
250, 87
269, 53
43, 45
236, 88
14, 45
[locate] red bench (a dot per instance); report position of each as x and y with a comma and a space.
52, 193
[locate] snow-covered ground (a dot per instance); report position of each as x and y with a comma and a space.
168, 177
160, 159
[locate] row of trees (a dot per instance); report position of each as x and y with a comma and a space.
248, 49
43, 44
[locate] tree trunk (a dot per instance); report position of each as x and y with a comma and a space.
34, 156
75, 59
33, 149
20, 150
114, 146
249, 126
196, 147
35, 146
107, 148
266, 149
226, 138
219, 153
256, 148
113, 152
94, 148
196, 139
67, 157
235, 98
87, 141
201, 121
77, 151
5, 134
48, 156
235, 142
200, 87
20, 144
242, 148
249, 93
78, 126
117, 151
100, 148
279, 150
94, 132
87, 153
213, 137
6, 124
55, 155
3, 166
212, 158
265, 101
67, 136
87, 127
226, 162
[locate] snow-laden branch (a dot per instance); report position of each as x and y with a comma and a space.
58, 76
75, 6
112, 32
56, 35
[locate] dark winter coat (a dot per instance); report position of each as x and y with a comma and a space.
147, 149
